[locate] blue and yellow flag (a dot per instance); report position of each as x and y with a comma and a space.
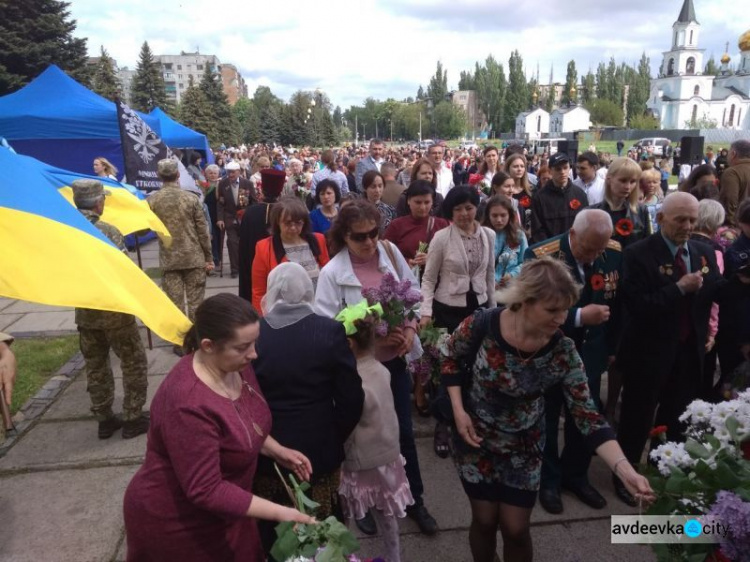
126, 208
52, 255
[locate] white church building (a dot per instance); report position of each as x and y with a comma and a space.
682, 94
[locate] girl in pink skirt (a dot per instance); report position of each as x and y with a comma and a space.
373, 476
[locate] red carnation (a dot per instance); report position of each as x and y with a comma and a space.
658, 431
574, 204
624, 227
597, 281
475, 178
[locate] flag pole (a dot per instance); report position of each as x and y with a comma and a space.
140, 264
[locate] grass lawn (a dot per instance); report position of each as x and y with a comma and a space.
38, 359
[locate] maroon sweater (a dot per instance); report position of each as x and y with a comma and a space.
407, 232
189, 499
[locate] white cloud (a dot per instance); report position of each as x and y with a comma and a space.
387, 48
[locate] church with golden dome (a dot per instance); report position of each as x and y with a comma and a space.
682, 95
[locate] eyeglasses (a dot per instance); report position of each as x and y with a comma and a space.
362, 236
290, 224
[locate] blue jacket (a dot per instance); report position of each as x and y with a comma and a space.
508, 260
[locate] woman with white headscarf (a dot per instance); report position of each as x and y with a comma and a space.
309, 378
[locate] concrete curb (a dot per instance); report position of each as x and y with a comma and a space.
34, 408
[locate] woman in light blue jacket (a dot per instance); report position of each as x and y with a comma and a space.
510, 239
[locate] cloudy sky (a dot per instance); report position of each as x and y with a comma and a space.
353, 49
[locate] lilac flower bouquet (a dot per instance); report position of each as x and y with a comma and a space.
734, 512
427, 368
398, 299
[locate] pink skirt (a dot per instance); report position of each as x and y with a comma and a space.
385, 488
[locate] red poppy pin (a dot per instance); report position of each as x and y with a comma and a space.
574, 204
624, 227
240, 214
597, 282
525, 202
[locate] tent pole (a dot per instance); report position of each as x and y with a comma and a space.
140, 264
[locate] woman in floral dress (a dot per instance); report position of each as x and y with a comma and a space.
500, 363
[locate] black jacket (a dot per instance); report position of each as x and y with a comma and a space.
639, 221
309, 378
254, 227
553, 210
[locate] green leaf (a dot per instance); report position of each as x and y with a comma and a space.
696, 449
286, 545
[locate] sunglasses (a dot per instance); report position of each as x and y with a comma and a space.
362, 236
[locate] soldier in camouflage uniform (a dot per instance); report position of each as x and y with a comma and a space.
186, 262
7, 373
101, 331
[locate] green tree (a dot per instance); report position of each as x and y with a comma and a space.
437, 89
517, 96
420, 93
704, 122
712, 68
194, 110
33, 35
269, 111
571, 82
644, 122
450, 120
246, 115
224, 128
601, 81
147, 91
105, 81
589, 87
605, 112
491, 88
466, 81
640, 85
338, 116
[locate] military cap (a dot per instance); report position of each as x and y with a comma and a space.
167, 167
86, 190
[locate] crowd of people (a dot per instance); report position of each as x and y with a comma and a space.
545, 272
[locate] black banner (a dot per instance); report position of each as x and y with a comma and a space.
142, 149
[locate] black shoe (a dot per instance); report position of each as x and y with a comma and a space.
441, 442
550, 500
136, 427
622, 492
588, 495
424, 520
108, 427
367, 524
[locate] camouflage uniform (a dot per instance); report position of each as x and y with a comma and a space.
101, 331
6, 339
184, 262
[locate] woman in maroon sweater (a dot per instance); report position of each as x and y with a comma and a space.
191, 499
418, 226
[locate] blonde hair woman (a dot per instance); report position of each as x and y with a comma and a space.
630, 219
515, 167
104, 168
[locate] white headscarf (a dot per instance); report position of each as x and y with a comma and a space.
289, 297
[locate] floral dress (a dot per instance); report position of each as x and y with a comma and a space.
505, 401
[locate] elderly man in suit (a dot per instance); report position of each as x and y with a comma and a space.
235, 193
371, 162
669, 283
593, 324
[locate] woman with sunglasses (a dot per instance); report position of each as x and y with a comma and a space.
360, 261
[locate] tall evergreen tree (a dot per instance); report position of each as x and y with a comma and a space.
712, 68
517, 97
437, 89
571, 81
601, 81
337, 116
194, 110
466, 81
33, 35
105, 81
420, 93
147, 91
491, 89
246, 115
589, 87
225, 125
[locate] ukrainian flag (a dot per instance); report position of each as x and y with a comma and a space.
52, 255
126, 206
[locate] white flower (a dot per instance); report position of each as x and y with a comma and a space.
697, 411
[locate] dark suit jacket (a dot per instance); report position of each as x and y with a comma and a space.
602, 287
253, 228
309, 378
653, 305
226, 209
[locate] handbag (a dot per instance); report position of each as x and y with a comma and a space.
440, 406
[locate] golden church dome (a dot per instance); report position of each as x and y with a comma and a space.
744, 42
725, 58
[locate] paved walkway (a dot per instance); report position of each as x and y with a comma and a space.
61, 488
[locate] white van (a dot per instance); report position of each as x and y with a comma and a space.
654, 145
